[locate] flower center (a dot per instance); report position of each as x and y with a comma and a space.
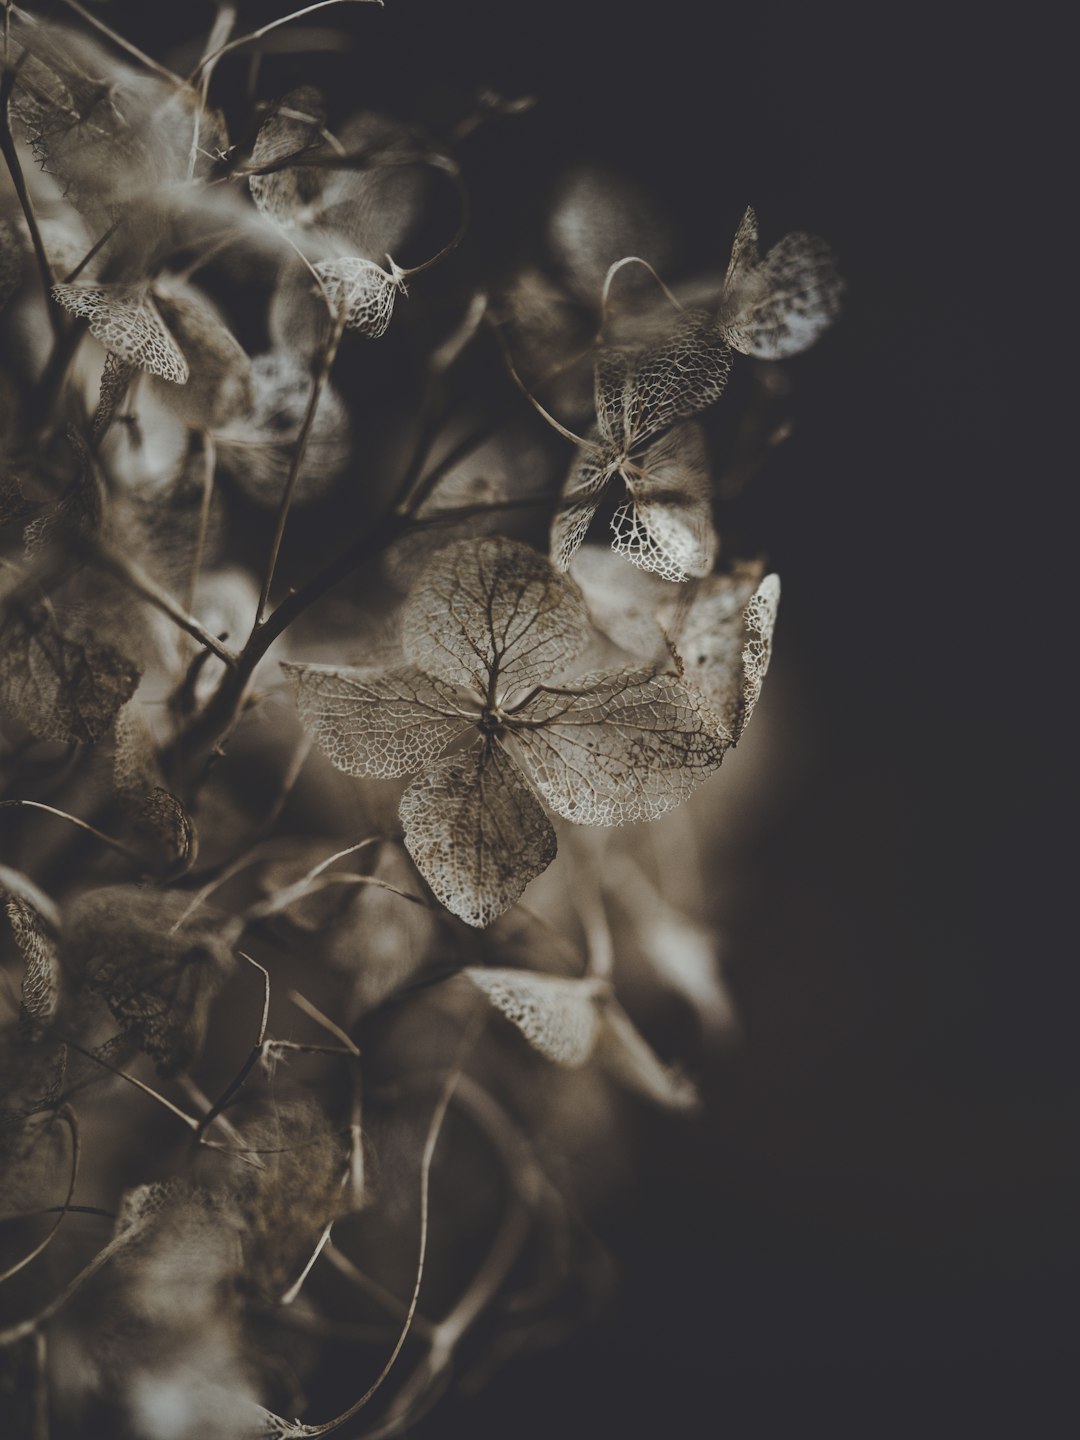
491, 720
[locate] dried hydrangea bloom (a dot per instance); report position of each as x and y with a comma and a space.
219, 386
486, 630
641, 392
290, 191
776, 306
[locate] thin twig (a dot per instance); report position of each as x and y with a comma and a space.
109, 840
256, 35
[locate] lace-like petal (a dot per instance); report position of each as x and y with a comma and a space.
126, 321
642, 390
724, 638
557, 1016
777, 307
476, 832
493, 605
628, 747
667, 525
580, 500
363, 290
376, 722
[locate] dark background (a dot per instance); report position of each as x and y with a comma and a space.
875, 1231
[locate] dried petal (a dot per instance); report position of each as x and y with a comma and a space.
558, 1016
640, 392
667, 524
60, 686
622, 748
777, 307
724, 638
376, 722
579, 502
156, 968
362, 290
476, 832
41, 979
295, 127
126, 321
493, 608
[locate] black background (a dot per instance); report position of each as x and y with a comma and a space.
875, 1231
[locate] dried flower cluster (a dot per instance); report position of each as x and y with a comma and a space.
297, 699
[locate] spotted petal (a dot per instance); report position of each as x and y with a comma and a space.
623, 748
476, 832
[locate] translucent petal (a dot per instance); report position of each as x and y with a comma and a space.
679, 376
493, 608
579, 502
126, 321
376, 722
667, 525
776, 307
558, 1016
724, 639
363, 290
476, 832
624, 748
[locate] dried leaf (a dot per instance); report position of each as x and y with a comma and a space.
493, 615
476, 832
377, 722
362, 291
126, 321
157, 971
64, 687
666, 526
619, 748
559, 1017
778, 306
724, 638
